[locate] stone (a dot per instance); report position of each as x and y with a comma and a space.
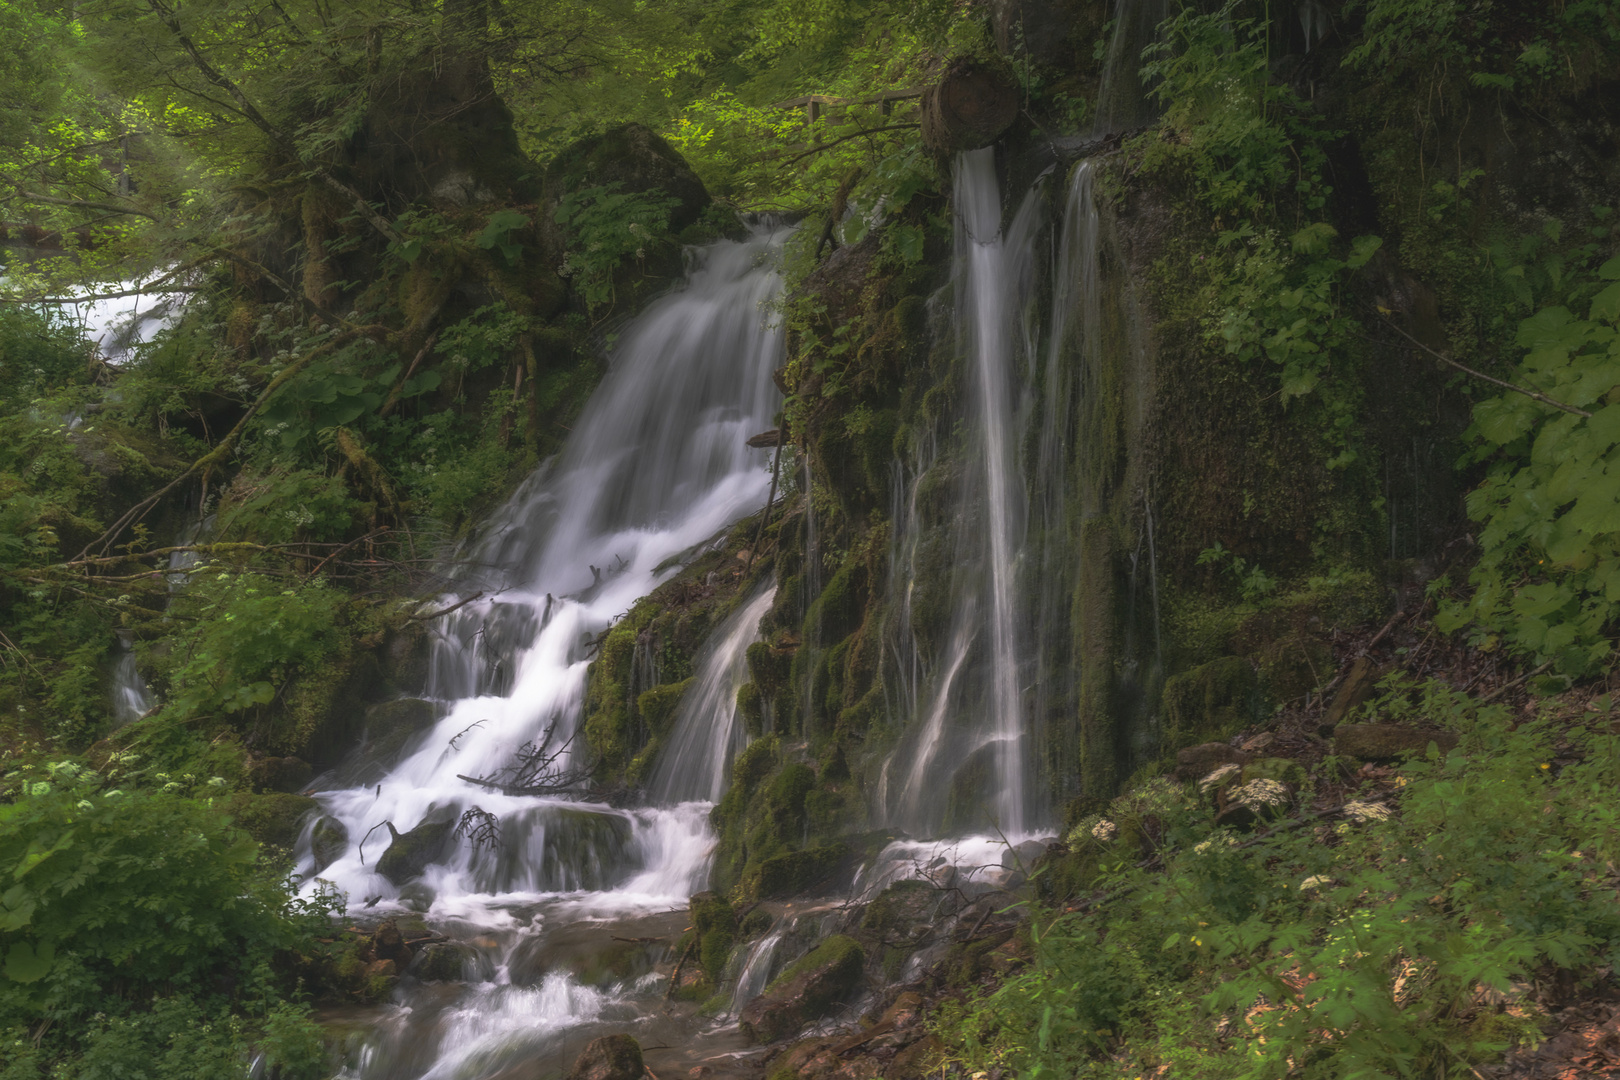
794, 872
414, 851
637, 161
1283, 770
408, 715
328, 841
382, 969
806, 991
387, 943
611, 1057
1260, 743
275, 820
1024, 855
1378, 742
1209, 701
1197, 762
443, 961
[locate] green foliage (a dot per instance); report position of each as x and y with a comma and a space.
251, 635
1358, 949
605, 227
1547, 583
1255, 584
140, 923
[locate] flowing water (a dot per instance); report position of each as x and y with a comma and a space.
965, 705
656, 471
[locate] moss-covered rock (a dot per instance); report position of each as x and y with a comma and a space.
413, 852
276, 820
792, 873
658, 705
715, 925
1211, 700
329, 839
808, 990
611, 1057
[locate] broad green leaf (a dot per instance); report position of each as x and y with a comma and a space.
25, 964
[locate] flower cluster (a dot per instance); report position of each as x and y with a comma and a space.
1260, 794
1218, 778
1362, 812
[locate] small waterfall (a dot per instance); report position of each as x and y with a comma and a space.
973, 704
707, 733
656, 468
131, 699
757, 971
1122, 98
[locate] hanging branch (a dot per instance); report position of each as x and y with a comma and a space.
480, 826
535, 770
1444, 359
257, 119
225, 445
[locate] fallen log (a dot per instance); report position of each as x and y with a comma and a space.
969, 108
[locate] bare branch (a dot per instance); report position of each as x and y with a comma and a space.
1444, 359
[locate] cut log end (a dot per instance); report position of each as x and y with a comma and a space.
969, 108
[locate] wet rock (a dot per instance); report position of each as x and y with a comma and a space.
1044, 30
1197, 762
413, 852
969, 108
444, 961
1024, 855
1209, 701
611, 1057
716, 927
328, 841
794, 872
273, 820
1260, 743
806, 991
637, 161
387, 943
1377, 742
381, 969
901, 908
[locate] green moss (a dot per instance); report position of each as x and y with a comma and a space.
838, 954
791, 873
715, 925
275, 820
657, 706
1208, 702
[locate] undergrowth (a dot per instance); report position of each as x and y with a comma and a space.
1410, 930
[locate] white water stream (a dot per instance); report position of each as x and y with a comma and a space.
655, 471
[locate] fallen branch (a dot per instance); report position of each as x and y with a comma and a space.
453, 607
1444, 359
828, 145
1505, 687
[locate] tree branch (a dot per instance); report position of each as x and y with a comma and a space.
110, 208
1444, 359
845, 138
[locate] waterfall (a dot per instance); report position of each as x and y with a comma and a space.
657, 468
707, 735
1122, 97
131, 699
972, 712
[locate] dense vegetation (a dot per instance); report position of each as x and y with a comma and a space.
1387, 345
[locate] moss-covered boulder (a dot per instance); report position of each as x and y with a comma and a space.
658, 705
715, 925
808, 990
792, 873
611, 1057
413, 852
276, 820
1209, 701
328, 841
444, 961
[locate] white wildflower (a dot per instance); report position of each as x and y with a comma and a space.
1363, 812
1221, 838
1218, 777
1104, 831
1260, 794
1315, 881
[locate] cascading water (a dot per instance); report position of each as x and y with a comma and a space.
707, 734
972, 709
656, 470
1122, 97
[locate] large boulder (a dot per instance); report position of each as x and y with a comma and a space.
633, 160
275, 820
806, 991
612, 1057
969, 108
414, 851
328, 841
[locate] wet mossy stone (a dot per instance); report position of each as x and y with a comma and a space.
276, 820
328, 841
444, 961
633, 160
414, 851
658, 705
390, 725
716, 927
808, 990
793, 873
1210, 701
900, 909
751, 705
288, 775
611, 1057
